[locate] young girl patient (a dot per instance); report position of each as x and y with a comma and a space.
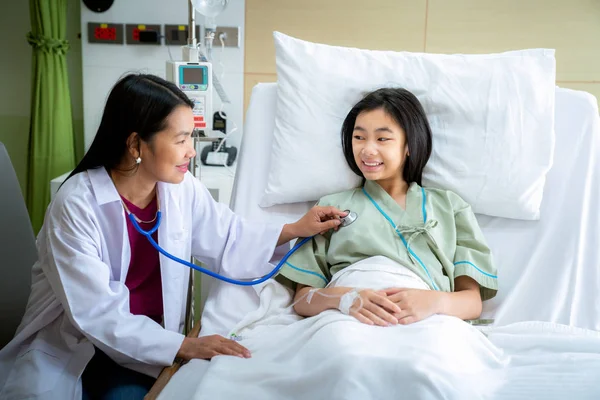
428, 236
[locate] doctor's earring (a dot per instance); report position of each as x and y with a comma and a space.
138, 160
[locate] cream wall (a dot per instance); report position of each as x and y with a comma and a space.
572, 27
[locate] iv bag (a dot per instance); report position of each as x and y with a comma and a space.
210, 8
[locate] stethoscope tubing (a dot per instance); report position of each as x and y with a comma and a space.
240, 282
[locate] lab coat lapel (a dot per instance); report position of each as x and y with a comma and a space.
172, 237
113, 221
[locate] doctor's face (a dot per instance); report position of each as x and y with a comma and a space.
379, 146
166, 156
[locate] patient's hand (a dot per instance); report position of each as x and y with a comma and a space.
207, 347
416, 304
374, 308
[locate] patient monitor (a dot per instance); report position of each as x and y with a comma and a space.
195, 80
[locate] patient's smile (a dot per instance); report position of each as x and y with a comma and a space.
370, 167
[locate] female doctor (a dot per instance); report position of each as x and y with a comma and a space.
106, 310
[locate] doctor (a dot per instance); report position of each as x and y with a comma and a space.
106, 311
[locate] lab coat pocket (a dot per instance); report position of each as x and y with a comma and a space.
35, 372
180, 236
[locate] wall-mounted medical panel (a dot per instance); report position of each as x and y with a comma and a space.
176, 35
132, 33
105, 33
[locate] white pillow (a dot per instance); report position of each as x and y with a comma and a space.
492, 118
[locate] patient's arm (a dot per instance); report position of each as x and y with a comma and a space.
376, 309
416, 304
465, 302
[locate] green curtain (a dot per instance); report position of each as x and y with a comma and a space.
51, 150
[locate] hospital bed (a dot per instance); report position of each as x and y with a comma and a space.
549, 270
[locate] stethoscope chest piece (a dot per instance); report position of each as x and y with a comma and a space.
349, 219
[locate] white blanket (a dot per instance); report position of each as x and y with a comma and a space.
333, 356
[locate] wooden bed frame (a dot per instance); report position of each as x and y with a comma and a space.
168, 372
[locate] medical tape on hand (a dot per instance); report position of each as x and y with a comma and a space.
311, 292
347, 300
308, 296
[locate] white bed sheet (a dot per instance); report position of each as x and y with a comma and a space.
440, 357
549, 270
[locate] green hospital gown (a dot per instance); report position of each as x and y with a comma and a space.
437, 237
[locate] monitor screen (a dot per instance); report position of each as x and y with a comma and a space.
193, 75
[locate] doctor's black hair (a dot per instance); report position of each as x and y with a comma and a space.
137, 103
407, 111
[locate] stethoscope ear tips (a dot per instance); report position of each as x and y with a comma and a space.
349, 218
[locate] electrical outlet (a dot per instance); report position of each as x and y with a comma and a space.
132, 33
177, 35
231, 36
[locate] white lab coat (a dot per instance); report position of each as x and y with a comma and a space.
79, 298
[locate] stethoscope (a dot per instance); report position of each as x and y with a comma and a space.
347, 220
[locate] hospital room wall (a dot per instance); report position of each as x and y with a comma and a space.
104, 64
435, 26
15, 82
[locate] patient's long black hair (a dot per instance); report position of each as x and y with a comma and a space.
137, 103
407, 111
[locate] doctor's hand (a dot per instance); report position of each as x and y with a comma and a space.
318, 219
207, 347
415, 304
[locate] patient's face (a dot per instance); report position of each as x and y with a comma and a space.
379, 146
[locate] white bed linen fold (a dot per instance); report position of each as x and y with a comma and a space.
333, 356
